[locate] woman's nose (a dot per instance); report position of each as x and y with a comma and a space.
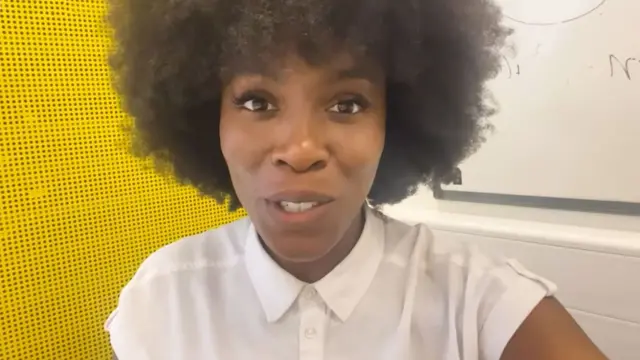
303, 147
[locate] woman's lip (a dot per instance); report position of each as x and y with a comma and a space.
300, 196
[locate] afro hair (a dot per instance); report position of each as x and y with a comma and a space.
172, 57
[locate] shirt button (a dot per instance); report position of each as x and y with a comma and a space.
310, 293
310, 333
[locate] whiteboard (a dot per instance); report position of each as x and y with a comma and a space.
568, 94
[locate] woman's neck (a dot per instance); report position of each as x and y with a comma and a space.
313, 271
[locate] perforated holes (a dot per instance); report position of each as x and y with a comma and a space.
79, 213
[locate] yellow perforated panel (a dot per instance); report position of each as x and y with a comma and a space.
79, 213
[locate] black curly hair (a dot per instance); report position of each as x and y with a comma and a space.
173, 58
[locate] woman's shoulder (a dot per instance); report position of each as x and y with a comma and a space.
444, 257
436, 251
461, 279
183, 267
219, 247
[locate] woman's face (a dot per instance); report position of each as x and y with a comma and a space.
303, 145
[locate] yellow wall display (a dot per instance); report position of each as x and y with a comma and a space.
79, 213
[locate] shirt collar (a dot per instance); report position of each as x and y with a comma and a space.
344, 287
276, 288
341, 289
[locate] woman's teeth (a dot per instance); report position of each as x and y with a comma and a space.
295, 207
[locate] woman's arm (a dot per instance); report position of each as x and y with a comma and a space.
551, 333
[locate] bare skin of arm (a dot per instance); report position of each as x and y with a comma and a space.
551, 333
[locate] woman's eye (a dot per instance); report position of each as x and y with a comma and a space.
258, 105
346, 107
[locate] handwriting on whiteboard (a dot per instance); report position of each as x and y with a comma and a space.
618, 65
626, 67
511, 68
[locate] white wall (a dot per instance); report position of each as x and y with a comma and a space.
423, 202
594, 259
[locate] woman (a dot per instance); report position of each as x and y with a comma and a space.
311, 114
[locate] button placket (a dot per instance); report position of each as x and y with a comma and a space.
312, 325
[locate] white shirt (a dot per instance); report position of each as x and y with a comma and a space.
219, 296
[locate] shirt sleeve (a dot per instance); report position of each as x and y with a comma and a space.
121, 326
134, 321
511, 292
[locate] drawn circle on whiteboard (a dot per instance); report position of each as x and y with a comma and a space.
548, 12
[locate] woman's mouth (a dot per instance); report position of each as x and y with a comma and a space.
297, 207
298, 212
